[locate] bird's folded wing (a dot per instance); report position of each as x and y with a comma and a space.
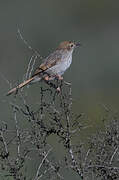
49, 62
43, 67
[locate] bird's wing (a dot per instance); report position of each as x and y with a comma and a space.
49, 62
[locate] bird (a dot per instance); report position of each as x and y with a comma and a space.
53, 66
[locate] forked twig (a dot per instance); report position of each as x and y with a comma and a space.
27, 44
39, 167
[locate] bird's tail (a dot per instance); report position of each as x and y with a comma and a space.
20, 86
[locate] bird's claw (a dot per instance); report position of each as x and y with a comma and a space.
58, 89
59, 77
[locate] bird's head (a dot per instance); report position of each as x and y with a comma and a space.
68, 45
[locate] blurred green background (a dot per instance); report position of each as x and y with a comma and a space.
95, 69
94, 73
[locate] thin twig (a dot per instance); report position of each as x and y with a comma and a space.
4, 142
27, 44
115, 151
85, 161
46, 171
39, 167
101, 166
32, 67
28, 67
68, 140
35, 55
54, 169
17, 131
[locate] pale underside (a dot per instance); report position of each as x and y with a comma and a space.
63, 62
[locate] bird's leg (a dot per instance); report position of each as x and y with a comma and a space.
58, 89
59, 77
46, 78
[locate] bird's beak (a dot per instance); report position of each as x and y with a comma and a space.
78, 44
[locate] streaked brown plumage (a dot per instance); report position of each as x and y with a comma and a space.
53, 66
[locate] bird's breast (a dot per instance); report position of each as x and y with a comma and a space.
67, 62
62, 65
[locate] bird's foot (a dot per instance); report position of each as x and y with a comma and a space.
59, 77
58, 89
47, 78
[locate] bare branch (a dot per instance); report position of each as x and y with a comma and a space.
39, 167
29, 66
32, 66
4, 142
27, 44
115, 151
17, 131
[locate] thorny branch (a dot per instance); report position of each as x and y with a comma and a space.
53, 116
